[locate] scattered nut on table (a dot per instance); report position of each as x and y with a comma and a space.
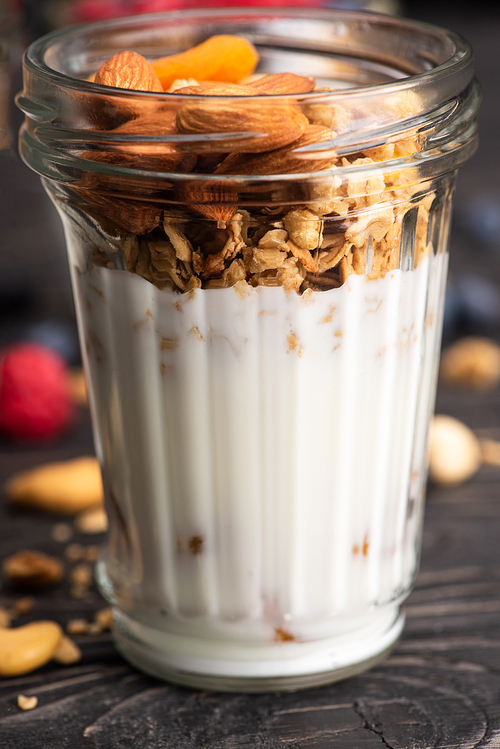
61, 532
32, 569
23, 649
490, 450
471, 362
26, 703
94, 520
67, 651
454, 451
66, 488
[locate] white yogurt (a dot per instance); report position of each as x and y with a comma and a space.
266, 453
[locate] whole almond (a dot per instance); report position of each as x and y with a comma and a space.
144, 154
211, 198
128, 70
284, 83
283, 160
274, 126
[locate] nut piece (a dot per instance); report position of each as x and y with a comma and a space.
26, 703
473, 363
32, 569
128, 70
66, 488
25, 648
490, 450
284, 83
277, 125
454, 451
92, 521
77, 627
67, 652
61, 532
104, 618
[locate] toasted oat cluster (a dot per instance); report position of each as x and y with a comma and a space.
341, 225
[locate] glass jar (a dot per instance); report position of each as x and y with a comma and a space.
260, 301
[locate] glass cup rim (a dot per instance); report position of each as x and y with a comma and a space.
461, 58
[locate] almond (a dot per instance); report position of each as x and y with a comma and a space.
283, 160
268, 127
214, 88
211, 198
128, 70
149, 156
135, 216
284, 83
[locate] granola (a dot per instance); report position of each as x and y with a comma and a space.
349, 218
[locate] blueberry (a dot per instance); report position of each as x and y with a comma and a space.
480, 218
479, 300
452, 309
59, 335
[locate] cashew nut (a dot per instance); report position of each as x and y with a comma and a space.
454, 451
67, 488
25, 648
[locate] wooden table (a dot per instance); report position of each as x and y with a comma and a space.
440, 687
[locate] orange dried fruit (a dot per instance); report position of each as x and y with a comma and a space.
219, 58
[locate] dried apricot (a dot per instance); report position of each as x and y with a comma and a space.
220, 58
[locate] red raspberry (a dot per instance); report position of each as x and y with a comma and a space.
35, 402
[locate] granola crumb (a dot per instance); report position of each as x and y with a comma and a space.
26, 703
104, 618
32, 569
283, 635
162, 369
61, 532
23, 605
94, 628
293, 344
169, 344
195, 544
77, 627
92, 553
74, 552
81, 575
197, 333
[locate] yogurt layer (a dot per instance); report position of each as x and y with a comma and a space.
263, 452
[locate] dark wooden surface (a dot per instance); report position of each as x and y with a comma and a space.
440, 687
